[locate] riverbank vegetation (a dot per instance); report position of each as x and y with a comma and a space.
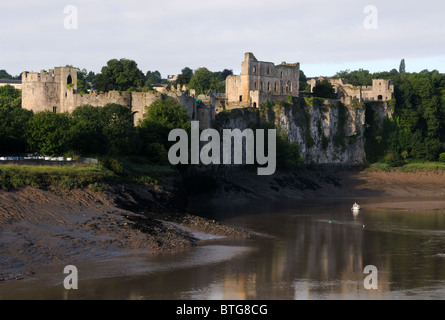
410, 167
109, 171
416, 130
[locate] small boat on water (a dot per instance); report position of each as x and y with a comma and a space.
356, 207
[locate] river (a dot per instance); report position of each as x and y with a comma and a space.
310, 249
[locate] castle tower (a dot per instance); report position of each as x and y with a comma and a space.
260, 81
51, 90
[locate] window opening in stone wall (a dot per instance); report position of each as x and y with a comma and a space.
55, 109
69, 80
380, 97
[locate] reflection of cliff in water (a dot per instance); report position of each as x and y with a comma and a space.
323, 254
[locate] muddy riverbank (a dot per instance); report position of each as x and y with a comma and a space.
45, 227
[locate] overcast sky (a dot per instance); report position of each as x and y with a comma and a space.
325, 36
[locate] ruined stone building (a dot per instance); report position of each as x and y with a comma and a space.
56, 91
380, 90
260, 81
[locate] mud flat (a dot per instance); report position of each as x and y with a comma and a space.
44, 227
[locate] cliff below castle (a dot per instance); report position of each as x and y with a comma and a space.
326, 131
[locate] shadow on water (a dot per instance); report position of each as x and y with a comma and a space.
316, 249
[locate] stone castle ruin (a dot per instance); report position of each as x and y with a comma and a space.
261, 81
380, 90
56, 91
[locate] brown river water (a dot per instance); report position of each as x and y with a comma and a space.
310, 250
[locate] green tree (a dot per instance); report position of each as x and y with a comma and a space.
119, 130
162, 116
324, 89
204, 80
5, 75
121, 75
359, 77
153, 77
49, 133
402, 67
10, 97
13, 129
83, 85
288, 154
225, 73
201, 80
303, 81
87, 131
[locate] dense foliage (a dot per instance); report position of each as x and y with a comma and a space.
417, 129
96, 131
204, 80
324, 89
415, 132
121, 75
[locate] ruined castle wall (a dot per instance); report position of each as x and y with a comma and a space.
49, 90
139, 101
233, 84
380, 90
142, 99
38, 95
265, 78
189, 103
101, 99
56, 91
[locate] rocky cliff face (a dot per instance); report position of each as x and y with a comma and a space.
327, 131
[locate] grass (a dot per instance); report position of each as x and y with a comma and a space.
410, 167
69, 177
81, 176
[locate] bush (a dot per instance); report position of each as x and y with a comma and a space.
442, 157
393, 160
113, 164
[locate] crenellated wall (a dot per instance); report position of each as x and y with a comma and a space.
56, 91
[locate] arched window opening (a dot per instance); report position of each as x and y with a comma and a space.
69, 80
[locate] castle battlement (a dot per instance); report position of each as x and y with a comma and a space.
380, 90
55, 90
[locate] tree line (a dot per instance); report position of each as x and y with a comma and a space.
124, 75
88, 130
416, 130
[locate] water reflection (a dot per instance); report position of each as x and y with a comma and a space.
313, 251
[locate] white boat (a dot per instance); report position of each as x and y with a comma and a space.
355, 207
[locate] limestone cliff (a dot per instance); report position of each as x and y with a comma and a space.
327, 131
